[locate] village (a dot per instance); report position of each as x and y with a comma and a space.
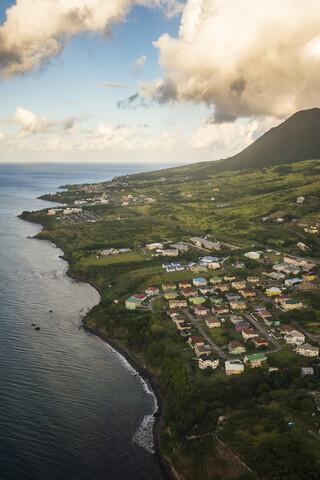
230, 320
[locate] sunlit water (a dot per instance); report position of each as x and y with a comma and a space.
70, 407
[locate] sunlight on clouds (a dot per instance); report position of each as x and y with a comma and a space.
245, 57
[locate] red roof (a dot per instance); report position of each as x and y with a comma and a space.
260, 341
139, 295
235, 344
184, 283
248, 331
201, 308
153, 289
196, 339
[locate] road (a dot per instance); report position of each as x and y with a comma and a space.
254, 322
209, 339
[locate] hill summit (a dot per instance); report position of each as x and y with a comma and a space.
298, 138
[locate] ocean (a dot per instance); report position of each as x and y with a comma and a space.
70, 406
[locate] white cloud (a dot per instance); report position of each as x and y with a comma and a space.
244, 57
35, 31
139, 64
113, 84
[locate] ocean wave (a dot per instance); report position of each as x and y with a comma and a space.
143, 436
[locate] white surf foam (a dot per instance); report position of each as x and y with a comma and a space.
143, 436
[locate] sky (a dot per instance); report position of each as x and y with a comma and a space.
151, 81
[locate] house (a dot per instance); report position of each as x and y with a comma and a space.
235, 319
212, 322
208, 260
183, 326
180, 247
178, 304
311, 230
166, 265
51, 211
264, 314
294, 338
170, 269
208, 362
215, 280
178, 319
189, 292
201, 311
185, 285
195, 341
222, 288
273, 291
282, 298
152, 291
140, 296
169, 286
247, 293
170, 295
253, 255
286, 329
305, 371
238, 305
248, 334
235, 348
307, 286
220, 309
279, 266
239, 285
229, 278
307, 350
309, 277
241, 325
132, 303
170, 252
232, 296
197, 282
202, 350
172, 312
291, 304
234, 367
214, 266
197, 268
292, 281
216, 300
196, 300
260, 342
255, 360
252, 279
154, 246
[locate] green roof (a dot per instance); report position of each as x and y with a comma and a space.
256, 356
215, 278
292, 301
133, 300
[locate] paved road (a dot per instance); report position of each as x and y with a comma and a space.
209, 339
265, 333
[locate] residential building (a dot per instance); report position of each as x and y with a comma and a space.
169, 286
208, 362
189, 292
132, 303
154, 246
307, 286
264, 314
260, 342
197, 282
215, 280
253, 255
222, 288
202, 350
255, 360
220, 309
235, 348
248, 334
247, 293
239, 285
170, 295
195, 341
234, 367
201, 311
170, 252
241, 325
294, 338
305, 371
152, 291
214, 266
212, 322
178, 304
197, 300
185, 285
202, 242
307, 350
253, 279
235, 319
238, 305
291, 304
273, 291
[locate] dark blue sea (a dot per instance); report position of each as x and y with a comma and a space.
70, 407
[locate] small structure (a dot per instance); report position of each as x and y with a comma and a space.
195, 341
306, 371
152, 291
307, 350
295, 338
235, 348
273, 291
241, 325
248, 334
238, 305
253, 255
239, 285
208, 362
178, 304
234, 367
255, 360
260, 342
189, 292
202, 350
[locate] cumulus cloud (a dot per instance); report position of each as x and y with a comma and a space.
139, 64
246, 57
133, 102
35, 31
229, 136
33, 124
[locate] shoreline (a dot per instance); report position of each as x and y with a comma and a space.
168, 471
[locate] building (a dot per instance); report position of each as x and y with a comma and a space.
202, 242
152, 291
154, 246
248, 334
202, 350
132, 303
282, 298
292, 281
253, 255
51, 211
239, 285
235, 348
201, 311
195, 341
255, 360
189, 292
209, 259
169, 295
247, 293
235, 319
294, 338
291, 304
307, 286
264, 314
241, 325
196, 300
307, 350
234, 367
260, 342
273, 291
215, 280
220, 309
185, 285
214, 266
178, 304
253, 279
197, 282
238, 305
170, 252
213, 322
305, 371
169, 286
208, 362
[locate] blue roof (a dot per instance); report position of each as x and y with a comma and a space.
209, 259
164, 265
199, 279
175, 264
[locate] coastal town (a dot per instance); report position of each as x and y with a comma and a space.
231, 320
